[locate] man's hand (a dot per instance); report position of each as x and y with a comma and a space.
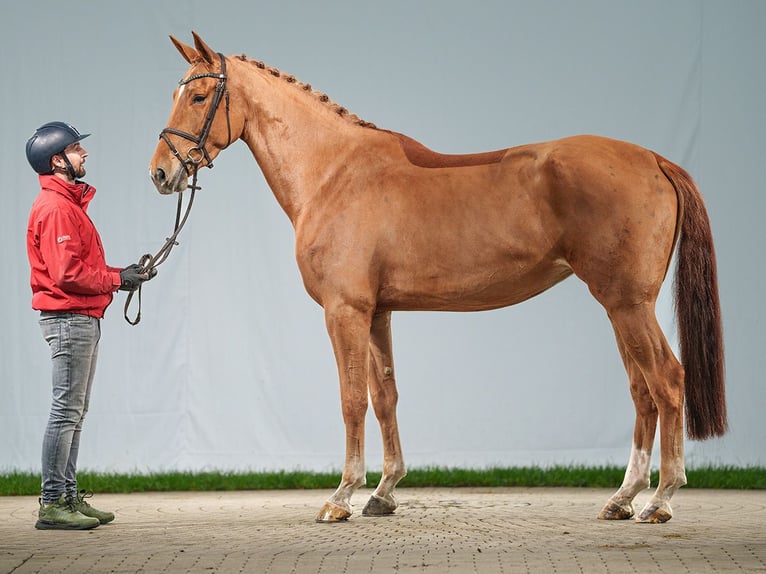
132, 277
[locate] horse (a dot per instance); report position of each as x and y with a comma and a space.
384, 224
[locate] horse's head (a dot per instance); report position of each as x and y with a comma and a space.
200, 125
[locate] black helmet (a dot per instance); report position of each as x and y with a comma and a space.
50, 139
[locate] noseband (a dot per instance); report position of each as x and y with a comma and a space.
195, 155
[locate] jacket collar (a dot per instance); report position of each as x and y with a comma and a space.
79, 192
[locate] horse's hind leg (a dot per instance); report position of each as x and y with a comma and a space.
382, 388
642, 341
637, 474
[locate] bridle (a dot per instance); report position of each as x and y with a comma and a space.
191, 163
194, 157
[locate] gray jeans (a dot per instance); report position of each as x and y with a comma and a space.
73, 341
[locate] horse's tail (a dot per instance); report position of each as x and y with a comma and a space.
698, 310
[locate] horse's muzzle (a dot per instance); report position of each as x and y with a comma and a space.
169, 183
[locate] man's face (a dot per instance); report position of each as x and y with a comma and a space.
76, 155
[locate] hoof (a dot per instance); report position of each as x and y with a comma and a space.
333, 513
378, 506
654, 514
614, 511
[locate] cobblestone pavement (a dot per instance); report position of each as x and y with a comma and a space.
465, 530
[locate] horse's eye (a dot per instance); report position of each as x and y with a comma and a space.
198, 99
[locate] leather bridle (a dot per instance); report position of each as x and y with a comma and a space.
195, 155
191, 164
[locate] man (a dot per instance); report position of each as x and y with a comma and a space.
71, 287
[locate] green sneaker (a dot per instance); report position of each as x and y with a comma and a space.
80, 505
61, 515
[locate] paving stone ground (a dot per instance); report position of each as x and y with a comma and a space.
462, 530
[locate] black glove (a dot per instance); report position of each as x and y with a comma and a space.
132, 277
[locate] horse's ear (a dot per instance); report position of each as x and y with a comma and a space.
204, 50
189, 53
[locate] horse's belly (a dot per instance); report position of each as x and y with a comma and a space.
470, 290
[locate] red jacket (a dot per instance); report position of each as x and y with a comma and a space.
69, 271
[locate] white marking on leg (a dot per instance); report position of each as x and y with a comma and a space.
637, 478
342, 496
662, 496
637, 475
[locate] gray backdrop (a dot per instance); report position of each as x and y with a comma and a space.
231, 367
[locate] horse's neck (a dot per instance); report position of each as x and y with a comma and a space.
296, 140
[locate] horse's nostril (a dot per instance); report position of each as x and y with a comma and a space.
159, 174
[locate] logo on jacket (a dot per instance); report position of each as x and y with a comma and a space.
62, 238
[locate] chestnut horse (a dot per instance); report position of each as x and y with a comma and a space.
384, 224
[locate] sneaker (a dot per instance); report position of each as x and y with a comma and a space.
80, 505
61, 515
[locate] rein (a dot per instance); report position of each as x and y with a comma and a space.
194, 157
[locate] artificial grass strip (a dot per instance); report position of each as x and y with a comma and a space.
17, 483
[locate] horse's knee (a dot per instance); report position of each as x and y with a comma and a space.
354, 411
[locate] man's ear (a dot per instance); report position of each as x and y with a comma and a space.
58, 160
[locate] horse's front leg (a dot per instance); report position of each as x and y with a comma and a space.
349, 330
382, 387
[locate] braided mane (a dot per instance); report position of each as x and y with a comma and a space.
322, 97
416, 153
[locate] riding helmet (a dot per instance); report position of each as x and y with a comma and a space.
50, 139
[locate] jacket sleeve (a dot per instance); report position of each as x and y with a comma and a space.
71, 264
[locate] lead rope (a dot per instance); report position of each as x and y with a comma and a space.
149, 262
